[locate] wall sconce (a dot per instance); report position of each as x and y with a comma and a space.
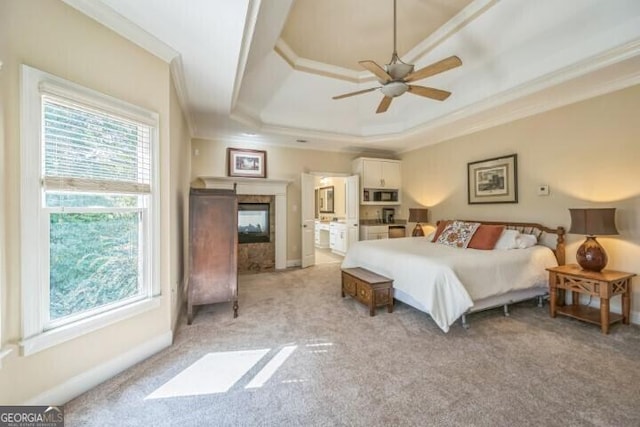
418, 215
591, 222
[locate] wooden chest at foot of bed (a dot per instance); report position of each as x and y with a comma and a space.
369, 288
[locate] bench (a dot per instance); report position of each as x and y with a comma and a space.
371, 289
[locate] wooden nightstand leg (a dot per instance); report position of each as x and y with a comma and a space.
372, 309
626, 303
553, 294
604, 315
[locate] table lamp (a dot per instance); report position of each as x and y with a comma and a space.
591, 222
418, 215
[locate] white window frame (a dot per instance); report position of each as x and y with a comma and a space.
37, 334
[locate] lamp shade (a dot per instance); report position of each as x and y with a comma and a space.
593, 222
418, 215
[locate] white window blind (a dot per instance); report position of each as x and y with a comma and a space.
91, 150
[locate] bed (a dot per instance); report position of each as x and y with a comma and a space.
448, 283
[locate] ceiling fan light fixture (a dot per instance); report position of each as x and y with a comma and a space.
399, 70
393, 89
396, 76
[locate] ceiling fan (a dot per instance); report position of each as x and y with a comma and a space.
396, 75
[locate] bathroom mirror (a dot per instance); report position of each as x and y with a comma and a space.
325, 199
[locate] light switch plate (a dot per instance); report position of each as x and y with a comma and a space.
543, 190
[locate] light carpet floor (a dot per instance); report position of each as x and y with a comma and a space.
325, 362
324, 256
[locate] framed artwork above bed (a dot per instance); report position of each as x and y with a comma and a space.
493, 180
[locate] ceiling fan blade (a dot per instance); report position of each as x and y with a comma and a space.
346, 95
435, 68
429, 92
384, 104
377, 70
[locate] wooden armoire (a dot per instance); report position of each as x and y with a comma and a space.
213, 248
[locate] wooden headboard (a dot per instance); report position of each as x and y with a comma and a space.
536, 229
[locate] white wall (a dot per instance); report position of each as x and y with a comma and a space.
588, 153
282, 163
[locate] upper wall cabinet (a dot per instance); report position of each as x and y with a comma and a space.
380, 181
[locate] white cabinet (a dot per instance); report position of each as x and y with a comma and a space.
374, 232
338, 237
321, 234
381, 174
380, 180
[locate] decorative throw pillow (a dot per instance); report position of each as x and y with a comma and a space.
458, 234
486, 237
507, 240
440, 228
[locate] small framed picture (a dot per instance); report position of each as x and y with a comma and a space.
247, 163
493, 180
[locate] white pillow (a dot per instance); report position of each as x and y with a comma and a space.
507, 240
525, 241
430, 235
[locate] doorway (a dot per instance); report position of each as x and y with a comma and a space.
330, 208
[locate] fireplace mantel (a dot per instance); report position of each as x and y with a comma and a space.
259, 186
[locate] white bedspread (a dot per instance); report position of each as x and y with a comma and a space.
446, 280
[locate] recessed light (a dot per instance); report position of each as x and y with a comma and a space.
302, 141
249, 134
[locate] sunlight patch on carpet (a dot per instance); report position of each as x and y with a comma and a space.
270, 368
212, 373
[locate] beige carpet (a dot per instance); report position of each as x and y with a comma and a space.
324, 256
325, 362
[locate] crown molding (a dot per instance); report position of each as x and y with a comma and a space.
106, 16
320, 68
583, 90
494, 111
455, 24
179, 83
460, 20
247, 36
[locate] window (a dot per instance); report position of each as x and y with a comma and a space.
89, 210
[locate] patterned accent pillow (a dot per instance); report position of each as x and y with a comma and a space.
458, 234
440, 228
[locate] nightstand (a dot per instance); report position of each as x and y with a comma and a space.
603, 285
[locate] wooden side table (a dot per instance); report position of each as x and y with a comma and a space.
603, 285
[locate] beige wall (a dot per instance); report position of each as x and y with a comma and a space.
179, 215
53, 37
282, 163
587, 153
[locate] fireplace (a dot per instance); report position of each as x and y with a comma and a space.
253, 223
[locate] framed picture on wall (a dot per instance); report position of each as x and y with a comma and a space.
493, 180
246, 163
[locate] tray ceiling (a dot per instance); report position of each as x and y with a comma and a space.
264, 71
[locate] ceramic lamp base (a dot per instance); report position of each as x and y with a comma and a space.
417, 231
591, 256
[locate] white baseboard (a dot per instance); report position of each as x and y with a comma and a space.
294, 263
85, 381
